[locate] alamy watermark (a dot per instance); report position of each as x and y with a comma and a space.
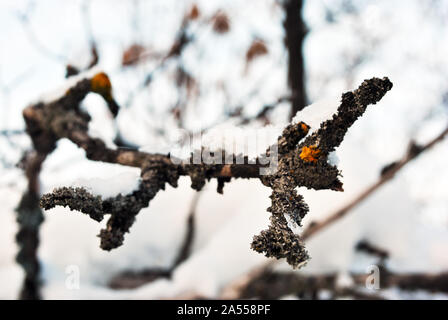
73, 278
373, 278
228, 146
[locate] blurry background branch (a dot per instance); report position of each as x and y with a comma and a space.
387, 174
295, 30
146, 43
29, 218
274, 285
241, 286
295, 163
135, 279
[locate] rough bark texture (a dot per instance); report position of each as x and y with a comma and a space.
292, 163
294, 170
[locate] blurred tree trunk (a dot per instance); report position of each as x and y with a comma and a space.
29, 218
295, 31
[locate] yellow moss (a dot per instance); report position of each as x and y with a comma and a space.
304, 127
309, 154
100, 84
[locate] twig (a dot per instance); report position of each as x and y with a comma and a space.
185, 250
413, 152
239, 284
12, 132
373, 250
273, 285
74, 70
291, 162
180, 42
262, 114
25, 20
131, 280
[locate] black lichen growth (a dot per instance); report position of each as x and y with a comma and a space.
305, 164
78, 199
302, 161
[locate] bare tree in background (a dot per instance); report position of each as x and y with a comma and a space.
295, 31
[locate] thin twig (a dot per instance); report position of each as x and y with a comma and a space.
132, 279
412, 153
274, 285
11, 132
232, 290
187, 244
292, 162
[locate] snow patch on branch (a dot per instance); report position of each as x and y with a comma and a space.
68, 83
124, 183
249, 141
318, 112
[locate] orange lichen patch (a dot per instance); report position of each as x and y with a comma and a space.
309, 154
100, 84
304, 127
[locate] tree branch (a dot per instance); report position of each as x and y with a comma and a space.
413, 152
314, 228
29, 218
274, 285
132, 279
295, 31
287, 164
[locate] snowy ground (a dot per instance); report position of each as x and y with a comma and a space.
408, 217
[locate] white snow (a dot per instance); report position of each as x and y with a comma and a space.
344, 280
123, 183
333, 158
408, 216
250, 140
67, 84
103, 179
317, 113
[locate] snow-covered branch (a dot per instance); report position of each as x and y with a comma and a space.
387, 174
297, 159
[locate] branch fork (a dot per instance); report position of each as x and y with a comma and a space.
302, 160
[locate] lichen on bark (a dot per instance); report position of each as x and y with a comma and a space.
294, 171
63, 118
